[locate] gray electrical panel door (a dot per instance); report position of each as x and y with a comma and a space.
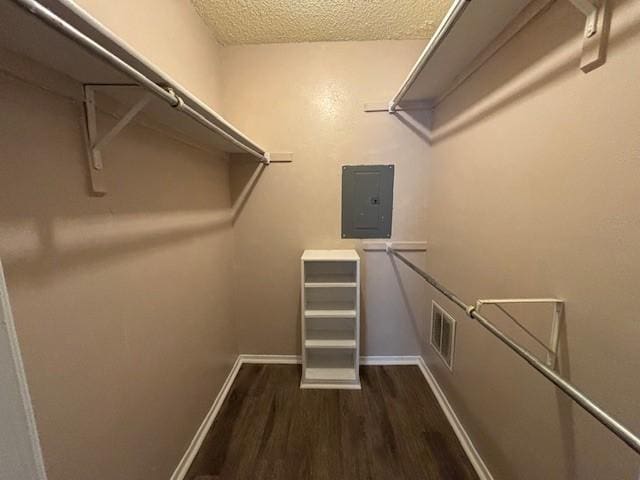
367, 201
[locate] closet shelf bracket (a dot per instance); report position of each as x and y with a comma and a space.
388, 107
279, 157
558, 308
589, 9
95, 144
595, 32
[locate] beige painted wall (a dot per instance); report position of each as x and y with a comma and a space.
123, 303
169, 34
308, 99
533, 191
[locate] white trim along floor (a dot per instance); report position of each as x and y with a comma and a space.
474, 457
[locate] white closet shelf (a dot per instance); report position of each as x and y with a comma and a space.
471, 32
330, 284
27, 29
467, 29
330, 256
330, 313
327, 374
330, 334
330, 343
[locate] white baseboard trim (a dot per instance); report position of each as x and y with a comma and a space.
271, 359
474, 457
389, 360
187, 459
297, 359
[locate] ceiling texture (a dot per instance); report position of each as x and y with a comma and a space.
237, 22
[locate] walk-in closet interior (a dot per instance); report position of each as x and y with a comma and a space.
319, 240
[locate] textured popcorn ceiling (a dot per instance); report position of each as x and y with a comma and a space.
236, 22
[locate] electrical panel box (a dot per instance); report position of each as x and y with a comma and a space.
367, 201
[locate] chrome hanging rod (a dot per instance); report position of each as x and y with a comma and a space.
576, 395
441, 33
166, 94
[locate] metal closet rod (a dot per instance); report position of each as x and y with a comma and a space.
164, 93
441, 33
576, 395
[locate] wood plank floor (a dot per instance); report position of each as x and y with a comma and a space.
393, 429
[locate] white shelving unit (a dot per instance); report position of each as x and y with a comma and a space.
330, 319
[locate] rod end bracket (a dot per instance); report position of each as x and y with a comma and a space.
596, 32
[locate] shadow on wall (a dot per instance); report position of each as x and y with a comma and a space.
548, 59
392, 308
244, 176
565, 404
49, 245
160, 191
405, 299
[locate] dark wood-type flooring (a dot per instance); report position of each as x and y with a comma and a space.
392, 429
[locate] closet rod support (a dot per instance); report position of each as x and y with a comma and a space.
596, 32
554, 340
589, 8
618, 429
123, 122
95, 144
209, 120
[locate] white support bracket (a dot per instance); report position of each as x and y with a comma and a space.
589, 9
95, 143
407, 106
279, 157
558, 306
399, 246
595, 32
